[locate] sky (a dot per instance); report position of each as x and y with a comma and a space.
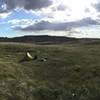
71, 18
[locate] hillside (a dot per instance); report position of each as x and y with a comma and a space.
38, 39
71, 72
45, 39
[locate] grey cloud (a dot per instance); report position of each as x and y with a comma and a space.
53, 9
62, 7
98, 16
37, 4
3, 11
44, 25
64, 26
27, 4
11, 4
87, 10
97, 6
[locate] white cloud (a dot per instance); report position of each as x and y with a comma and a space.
21, 23
75, 10
4, 15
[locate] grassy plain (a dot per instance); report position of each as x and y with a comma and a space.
71, 72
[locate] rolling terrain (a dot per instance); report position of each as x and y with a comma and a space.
71, 71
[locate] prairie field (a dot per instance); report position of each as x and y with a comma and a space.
71, 71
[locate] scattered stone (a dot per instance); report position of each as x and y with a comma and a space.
29, 57
43, 59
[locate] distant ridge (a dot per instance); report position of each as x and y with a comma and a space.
38, 39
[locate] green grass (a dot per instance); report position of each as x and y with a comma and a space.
71, 72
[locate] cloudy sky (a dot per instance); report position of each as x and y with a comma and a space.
74, 18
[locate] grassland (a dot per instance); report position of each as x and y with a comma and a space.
71, 72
